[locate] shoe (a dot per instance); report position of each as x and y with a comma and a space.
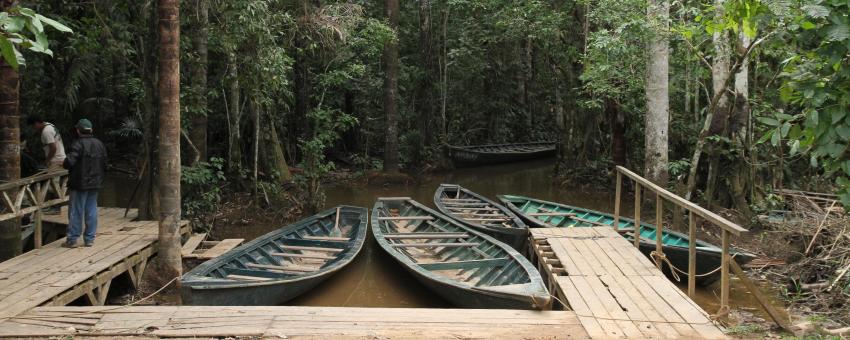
67, 244
89, 243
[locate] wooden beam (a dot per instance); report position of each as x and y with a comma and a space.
192, 243
247, 278
283, 268
327, 238
405, 218
768, 307
464, 264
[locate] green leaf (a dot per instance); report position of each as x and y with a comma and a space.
837, 115
838, 32
784, 129
768, 121
816, 11
8, 52
843, 131
55, 24
774, 140
766, 137
807, 25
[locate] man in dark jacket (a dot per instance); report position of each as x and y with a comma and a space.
86, 163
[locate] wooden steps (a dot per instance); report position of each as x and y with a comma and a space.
613, 288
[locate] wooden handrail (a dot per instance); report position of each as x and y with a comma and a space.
29, 196
680, 201
727, 228
32, 179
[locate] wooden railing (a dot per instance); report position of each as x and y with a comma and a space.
727, 227
30, 195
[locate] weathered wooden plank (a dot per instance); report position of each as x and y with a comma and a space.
192, 243
220, 248
317, 249
464, 264
435, 244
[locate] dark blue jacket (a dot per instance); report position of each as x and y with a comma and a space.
86, 162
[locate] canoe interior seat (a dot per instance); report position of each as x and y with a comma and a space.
468, 264
327, 238
435, 244
282, 268
247, 278
255, 273
426, 235
305, 256
405, 218
317, 249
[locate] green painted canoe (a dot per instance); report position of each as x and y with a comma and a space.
464, 266
481, 213
553, 214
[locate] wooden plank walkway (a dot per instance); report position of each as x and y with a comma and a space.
282, 322
57, 276
615, 291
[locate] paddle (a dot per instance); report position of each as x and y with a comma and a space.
336, 232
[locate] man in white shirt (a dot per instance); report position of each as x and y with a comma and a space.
53, 149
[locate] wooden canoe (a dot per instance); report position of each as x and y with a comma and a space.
482, 214
464, 266
476, 155
544, 214
282, 264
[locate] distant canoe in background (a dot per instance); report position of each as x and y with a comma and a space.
482, 214
282, 264
464, 266
475, 155
545, 214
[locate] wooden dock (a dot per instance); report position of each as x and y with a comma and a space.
282, 322
613, 288
55, 276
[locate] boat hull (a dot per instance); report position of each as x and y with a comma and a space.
514, 237
249, 295
469, 157
256, 272
466, 277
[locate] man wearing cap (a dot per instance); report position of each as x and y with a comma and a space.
86, 164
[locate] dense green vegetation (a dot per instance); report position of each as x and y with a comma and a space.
758, 91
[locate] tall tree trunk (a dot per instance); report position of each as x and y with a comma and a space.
528, 82
718, 112
391, 90
657, 117
740, 180
618, 132
255, 148
302, 87
426, 109
198, 132
277, 160
169, 139
234, 116
10, 147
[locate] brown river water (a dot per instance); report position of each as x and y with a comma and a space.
373, 279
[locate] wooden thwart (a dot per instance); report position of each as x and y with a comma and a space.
247, 278
304, 256
404, 218
327, 238
426, 235
319, 249
435, 244
283, 268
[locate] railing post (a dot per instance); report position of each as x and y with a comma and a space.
692, 254
724, 275
617, 193
637, 215
659, 226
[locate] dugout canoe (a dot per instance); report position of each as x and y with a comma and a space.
282, 264
476, 155
544, 214
482, 214
466, 267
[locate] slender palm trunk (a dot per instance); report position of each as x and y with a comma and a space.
234, 117
198, 132
10, 147
169, 139
427, 107
657, 117
391, 90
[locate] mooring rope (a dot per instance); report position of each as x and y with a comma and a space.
660, 258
